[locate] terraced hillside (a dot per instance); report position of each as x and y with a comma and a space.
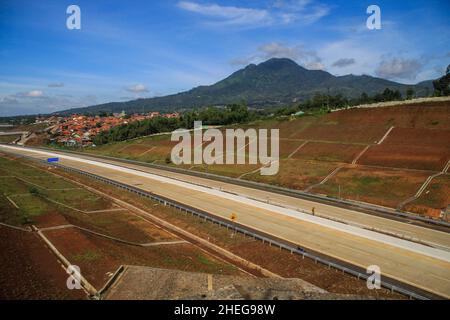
378, 155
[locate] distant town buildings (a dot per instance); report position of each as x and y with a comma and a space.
79, 130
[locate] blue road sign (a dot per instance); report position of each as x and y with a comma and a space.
52, 160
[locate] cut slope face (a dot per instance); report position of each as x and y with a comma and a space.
436, 195
385, 187
412, 148
431, 115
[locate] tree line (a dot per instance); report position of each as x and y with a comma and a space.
323, 101
239, 113
235, 113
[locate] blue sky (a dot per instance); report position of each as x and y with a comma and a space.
132, 49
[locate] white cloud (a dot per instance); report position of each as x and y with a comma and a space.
372, 55
399, 68
275, 49
316, 14
343, 62
365, 56
292, 5
281, 12
308, 58
56, 85
228, 14
137, 88
33, 102
306, 11
34, 94
314, 65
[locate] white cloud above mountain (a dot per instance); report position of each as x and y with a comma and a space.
137, 88
279, 12
399, 68
307, 58
344, 62
34, 94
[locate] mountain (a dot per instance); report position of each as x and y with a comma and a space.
278, 81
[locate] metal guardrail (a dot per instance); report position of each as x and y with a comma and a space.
390, 284
248, 232
370, 209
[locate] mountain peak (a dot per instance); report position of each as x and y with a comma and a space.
277, 81
279, 62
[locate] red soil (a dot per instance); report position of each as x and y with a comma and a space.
426, 115
336, 152
97, 257
353, 133
289, 146
368, 125
51, 219
80, 251
297, 174
425, 149
29, 270
435, 196
419, 137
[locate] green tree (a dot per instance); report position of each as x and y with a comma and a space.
364, 98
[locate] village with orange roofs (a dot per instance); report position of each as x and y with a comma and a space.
79, 130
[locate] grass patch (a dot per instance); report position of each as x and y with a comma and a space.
8, 139
88, 256
11, 215
30, 194
48, 181
296, 174
382, 187
204, 260
11, 185
33, 205
80, 199
367, 180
